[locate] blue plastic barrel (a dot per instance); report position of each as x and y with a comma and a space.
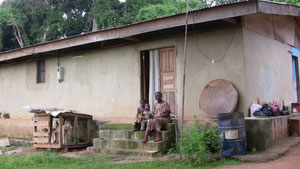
232, 134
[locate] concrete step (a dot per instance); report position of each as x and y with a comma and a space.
129, 126
130, 144
133, 135
117, 151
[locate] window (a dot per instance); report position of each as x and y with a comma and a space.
40, 71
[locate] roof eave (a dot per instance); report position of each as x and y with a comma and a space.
200, 16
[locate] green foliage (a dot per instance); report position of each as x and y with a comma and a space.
10, 17
107, 13
294, 2
155, 11
167, 7
53, 160
6, 115
199, 142
45, 20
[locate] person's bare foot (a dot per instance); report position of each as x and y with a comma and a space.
157, 139
145, 140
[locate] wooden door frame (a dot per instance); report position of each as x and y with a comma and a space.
142, 81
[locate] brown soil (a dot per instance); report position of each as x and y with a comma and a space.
289, 161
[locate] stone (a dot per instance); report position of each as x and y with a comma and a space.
20, 142
117, 151
131, 135
4, 142
120, 139
262, 133
19, 150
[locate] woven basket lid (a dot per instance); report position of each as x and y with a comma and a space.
218, 96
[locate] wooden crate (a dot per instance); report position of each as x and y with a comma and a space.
43, 130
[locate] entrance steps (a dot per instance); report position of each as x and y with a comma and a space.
120, 139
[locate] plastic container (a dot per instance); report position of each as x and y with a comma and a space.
232, 134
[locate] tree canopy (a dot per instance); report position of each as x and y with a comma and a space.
28, 22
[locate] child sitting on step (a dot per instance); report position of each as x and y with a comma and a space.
147, 114
140, 110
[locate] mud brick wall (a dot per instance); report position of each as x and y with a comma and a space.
16, 128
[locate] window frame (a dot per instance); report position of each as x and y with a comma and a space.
41, 71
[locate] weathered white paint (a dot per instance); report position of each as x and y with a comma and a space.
106, 83
200, 70
268, 69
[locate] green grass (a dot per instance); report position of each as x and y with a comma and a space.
52, 160
119, 126
177, 164
5, 149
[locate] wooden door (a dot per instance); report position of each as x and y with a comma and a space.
168, 76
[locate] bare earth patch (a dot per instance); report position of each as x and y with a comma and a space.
288, 161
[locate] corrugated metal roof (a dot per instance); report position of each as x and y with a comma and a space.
134, 23
149, 20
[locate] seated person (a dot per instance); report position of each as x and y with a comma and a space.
146, 116
140, 110
162, 113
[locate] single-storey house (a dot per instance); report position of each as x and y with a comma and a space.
105, 73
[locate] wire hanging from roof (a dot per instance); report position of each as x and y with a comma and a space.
225, 52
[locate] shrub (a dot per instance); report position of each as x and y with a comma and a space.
6, 115
200, 142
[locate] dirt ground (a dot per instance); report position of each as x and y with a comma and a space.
291, 160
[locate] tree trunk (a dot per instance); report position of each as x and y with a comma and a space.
45, 34
1, 45
95, 26
18, 34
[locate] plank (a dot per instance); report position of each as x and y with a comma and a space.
42, 126
41, 134
78, 115
41, 118
41, 123
44, 140
89, 130
168, 75
60, 131
46, 146
50, 127
76, 129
